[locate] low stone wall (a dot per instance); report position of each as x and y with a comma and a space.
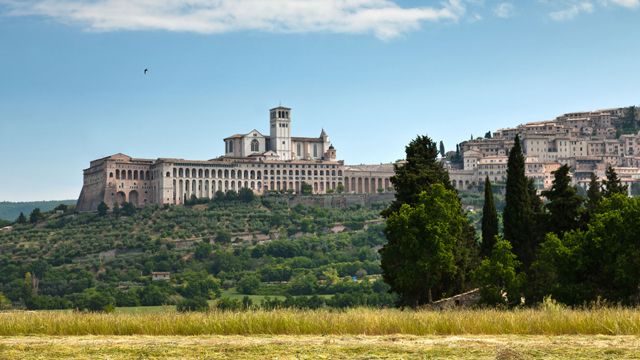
462, 300
338, 200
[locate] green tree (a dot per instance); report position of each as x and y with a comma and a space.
27, 287
203, 250
195, 304
442, 152
246, 195
421, 170
224, 237
564, 208
5, 304
219, 196
631, 115
306, 188
340, 189
458, 151
128, 209
517, 218
117, 210
231, 195
489, 220
594, 195
21, 218
103, 208
425, 237
249, 285
497, 276
36, 216
612, 185
599, 262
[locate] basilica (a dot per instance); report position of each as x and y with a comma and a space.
259, 162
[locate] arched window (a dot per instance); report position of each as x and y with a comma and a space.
297, 172
168, 174
315, 150
321, 172
290, 172
278, 172
286, 114
117, 174
339, 172
271, 172
255, 145
302, 172
110, 175
333, 173
315, 172
298, 152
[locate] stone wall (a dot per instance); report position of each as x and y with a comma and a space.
462, 300
337, 201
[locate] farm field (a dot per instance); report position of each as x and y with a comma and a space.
320, 347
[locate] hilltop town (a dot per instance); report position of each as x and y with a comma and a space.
588, 141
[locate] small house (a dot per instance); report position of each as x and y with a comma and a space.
7, 228
161, 276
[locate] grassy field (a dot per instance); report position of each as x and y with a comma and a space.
500, 347
361, 321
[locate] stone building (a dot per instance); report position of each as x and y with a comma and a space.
255, 161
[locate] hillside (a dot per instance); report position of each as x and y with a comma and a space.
284, 251
11, 210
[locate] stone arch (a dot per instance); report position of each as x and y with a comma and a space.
206, 173
297, 187
297, 172
321, 173
117, 174
359, 185
181, 172
277, 172
259, 175
386, 184
233, 174
133, 197
246, 174
259, 184
339, 172
121, 197
346, 187
252, 174
226, 174
315, 187
354, 189
129, 175
180, 192
253, 185
219, 174
187, 172
111, 174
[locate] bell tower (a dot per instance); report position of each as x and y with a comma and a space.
280, 131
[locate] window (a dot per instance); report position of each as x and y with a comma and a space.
298, 152
315, 150
255, 145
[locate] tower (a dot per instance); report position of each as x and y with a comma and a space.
280, 139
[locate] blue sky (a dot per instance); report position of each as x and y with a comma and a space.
373, 73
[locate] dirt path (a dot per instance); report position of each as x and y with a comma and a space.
318, 347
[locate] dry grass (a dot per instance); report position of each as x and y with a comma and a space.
583, 347
551, 322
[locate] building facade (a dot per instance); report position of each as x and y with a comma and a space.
277, 162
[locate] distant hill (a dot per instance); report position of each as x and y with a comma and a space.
11, 210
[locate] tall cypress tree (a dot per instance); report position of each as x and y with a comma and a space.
594, 195
565, 205
442, 152
21, 219
489, 220
516, 218
612, 184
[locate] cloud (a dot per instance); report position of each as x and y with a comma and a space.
572, 11
504, 10
384, 18
631, 4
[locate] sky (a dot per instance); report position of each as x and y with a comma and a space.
373, 73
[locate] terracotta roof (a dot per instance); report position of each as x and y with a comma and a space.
236, 136
160, 273
280, 107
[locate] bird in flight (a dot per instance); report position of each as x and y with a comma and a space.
145, 70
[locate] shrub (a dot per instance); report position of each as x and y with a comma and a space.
195, 304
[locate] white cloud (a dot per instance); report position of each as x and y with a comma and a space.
504, 10
631, 4
384, 18
572, 11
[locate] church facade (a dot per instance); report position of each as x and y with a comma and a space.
259, 162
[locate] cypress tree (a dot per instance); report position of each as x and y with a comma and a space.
594, 195
565, 205
21, 219
489, 220
442, 152
516, 217
612, 184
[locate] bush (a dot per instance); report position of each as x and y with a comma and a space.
249, 285
195, 304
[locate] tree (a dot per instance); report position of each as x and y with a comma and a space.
27, 287
565, 205
36, 216
497, 276
231, 195
516, 218
21, 218
224, 237
631, 115
246, 195
219, 196
612, 185
489, 220
422, 251
594, 195
458, 151
306, 188
103, 208
600, 262
249, 285
340, 189
128, 209
442, 152
117, 210
420, 171
203, 250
